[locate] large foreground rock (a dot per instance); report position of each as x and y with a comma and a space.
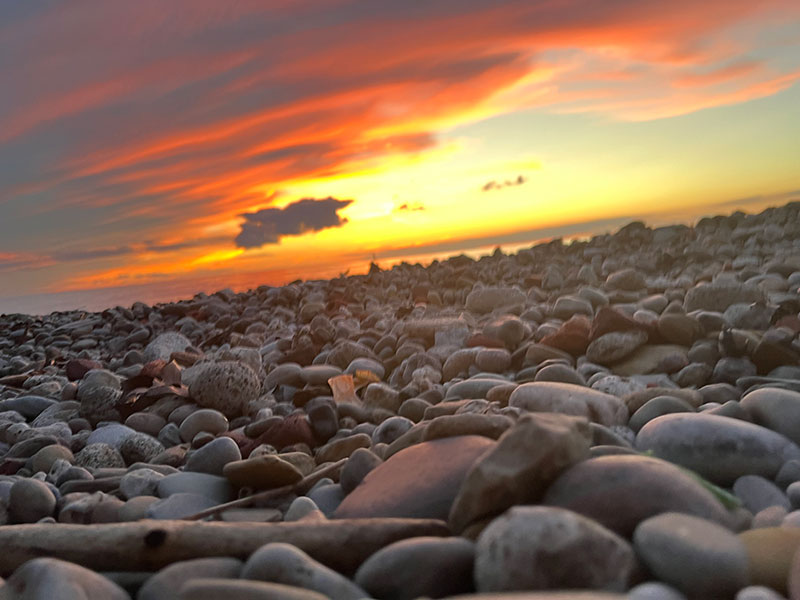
720, 449
540, 548
420, 482
621, 491
526, 459
696, 556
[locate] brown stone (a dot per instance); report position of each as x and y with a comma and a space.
770, 551
263, 472
78, 367
490, 426
342, 448
294, 429
572, 336
526, 459
676, 328
608, 319
421, 481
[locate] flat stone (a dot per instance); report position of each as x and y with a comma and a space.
216, 488
520, 467
342, 448
718, 296
697, 556
620, 491
486, 299
263, 472
476, 387
615, 346
718, 448
419, 567
539, 547
560, 374
179, 506
646, 359
491, 426
655, 407
29, 406
626, 279
419, 482
565, 398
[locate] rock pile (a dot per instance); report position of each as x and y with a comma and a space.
612, 418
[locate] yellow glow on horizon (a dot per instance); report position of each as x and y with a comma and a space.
217, 256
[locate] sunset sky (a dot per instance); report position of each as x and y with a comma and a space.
165, 148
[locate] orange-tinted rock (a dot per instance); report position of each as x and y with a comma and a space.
607, 320
294, 429
419, 482
572, 336
78, 367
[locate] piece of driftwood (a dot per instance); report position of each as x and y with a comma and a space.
150, 545
301, 487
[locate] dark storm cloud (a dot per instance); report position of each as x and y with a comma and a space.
269, 225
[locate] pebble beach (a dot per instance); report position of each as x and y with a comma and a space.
615, 418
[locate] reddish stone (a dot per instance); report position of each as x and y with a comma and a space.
481, 339
790, 322
294, 429
16, 381
186, 359
78, 367
11, 465
607, 320
572, 336
153, 368
419, 482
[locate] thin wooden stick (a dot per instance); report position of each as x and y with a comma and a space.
300, 487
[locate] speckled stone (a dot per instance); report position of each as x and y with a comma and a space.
226, 386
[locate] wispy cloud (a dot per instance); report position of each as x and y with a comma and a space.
269, 225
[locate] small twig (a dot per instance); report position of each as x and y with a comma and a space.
302, 486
